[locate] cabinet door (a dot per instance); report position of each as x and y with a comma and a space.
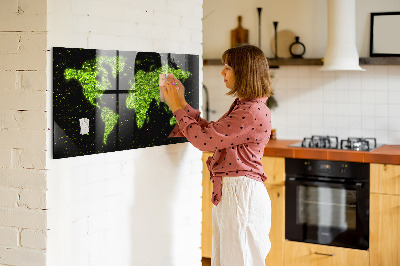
385, 178
277, 233
384, 230
304, 254
206, 232
274, 168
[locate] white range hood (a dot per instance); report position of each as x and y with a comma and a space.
341, 51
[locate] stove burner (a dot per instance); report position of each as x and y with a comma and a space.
328, 142
358, 144
332, 142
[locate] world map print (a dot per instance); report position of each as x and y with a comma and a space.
108, 100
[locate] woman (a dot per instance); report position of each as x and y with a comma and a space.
242, 208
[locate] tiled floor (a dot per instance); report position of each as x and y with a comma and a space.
206, 261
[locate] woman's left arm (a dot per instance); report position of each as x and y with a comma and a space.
237, 128
174, 94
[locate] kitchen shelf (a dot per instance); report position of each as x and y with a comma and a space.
380, 61
274, 63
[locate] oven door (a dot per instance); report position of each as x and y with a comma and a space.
327, 213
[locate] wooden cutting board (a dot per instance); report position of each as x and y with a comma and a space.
239, 35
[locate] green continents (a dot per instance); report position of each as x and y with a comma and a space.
110, 119
99, 74
145, 89
95, 79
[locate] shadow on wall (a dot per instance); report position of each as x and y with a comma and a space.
155, 203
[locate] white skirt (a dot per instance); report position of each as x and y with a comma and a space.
241, 223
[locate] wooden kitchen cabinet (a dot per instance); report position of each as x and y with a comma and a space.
206, 225
277, 233
305, 254
385, 178
385, 215
384, 236
274, 168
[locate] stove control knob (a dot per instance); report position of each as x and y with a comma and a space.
343, 168
308, 166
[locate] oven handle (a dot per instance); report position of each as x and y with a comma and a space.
357, 185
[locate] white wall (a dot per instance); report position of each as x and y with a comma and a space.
311, 102
305, 18
23, 133
343, 104
136, 207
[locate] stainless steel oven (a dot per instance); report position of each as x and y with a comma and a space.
327, 202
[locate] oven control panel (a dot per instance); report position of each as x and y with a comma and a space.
325, 167
338, 169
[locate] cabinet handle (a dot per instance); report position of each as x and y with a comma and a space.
324, 254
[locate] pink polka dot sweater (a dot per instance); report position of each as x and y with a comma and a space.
238, 139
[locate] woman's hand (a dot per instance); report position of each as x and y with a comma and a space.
181, 92
174, 94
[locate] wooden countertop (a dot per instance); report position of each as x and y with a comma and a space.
389, 154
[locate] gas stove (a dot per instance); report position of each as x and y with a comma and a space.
332, 142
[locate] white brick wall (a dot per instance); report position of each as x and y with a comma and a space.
9, 237
137, 207
100, 206
34, 239
23, 178
23, 132
9, 197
